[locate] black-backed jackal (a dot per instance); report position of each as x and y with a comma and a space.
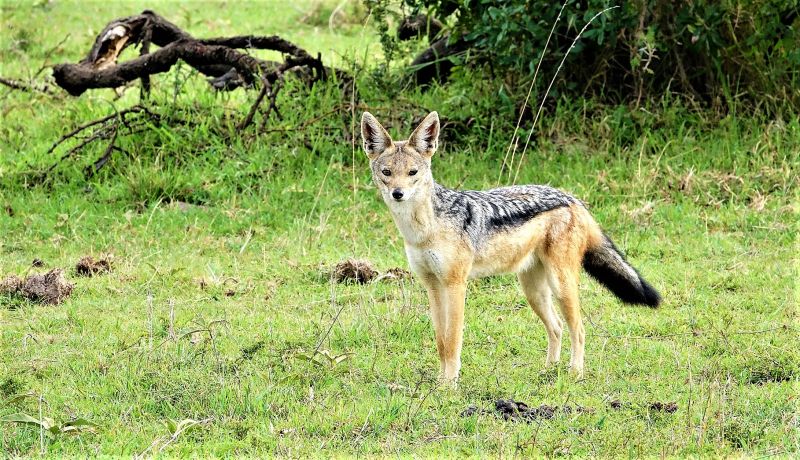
542, 234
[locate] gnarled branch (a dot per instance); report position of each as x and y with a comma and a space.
218, 58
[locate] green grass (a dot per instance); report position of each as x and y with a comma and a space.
705, 207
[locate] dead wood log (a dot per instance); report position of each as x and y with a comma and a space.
437, 61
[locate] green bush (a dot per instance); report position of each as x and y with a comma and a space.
716, 52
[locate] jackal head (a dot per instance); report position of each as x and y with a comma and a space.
401, 170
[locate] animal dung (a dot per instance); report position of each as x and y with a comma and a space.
518, 411
89, 266
354, 270
49, 288
394, 274
668, 407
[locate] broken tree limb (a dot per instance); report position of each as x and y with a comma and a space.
77, 78
224, 60
217, 58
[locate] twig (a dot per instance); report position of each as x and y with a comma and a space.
48, 54
74, 132
100, 162
18, 85
178, 433
171, 331
273, 95
265, 85
70, 152
335, 319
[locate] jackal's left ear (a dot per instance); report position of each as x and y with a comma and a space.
375, 137
425, 138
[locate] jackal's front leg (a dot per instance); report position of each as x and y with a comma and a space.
455, 294
438, 311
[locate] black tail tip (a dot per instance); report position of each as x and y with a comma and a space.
650, 296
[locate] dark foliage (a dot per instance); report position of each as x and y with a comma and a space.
712, 52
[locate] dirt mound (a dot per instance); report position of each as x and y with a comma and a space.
89, 266
354, 270
49, 288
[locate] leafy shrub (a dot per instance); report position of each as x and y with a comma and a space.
711, 51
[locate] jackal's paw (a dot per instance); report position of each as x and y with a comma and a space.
450, 384
550, 362
576, 372
448, 381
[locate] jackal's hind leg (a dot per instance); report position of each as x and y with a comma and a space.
570, 307
537, 291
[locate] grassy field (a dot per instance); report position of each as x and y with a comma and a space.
220, 307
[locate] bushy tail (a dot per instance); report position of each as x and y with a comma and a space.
606, 264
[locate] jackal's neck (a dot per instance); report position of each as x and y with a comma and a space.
415, 218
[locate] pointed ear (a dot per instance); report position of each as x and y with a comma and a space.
425, 138
376, 139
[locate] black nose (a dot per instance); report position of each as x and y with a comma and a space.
397, 194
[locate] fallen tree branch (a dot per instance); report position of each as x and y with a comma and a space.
215, 57
224, 60
77, 78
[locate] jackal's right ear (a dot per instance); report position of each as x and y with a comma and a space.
376, 139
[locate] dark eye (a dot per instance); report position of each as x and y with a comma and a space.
413, 172
386, 172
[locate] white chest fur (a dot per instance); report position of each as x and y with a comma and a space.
425, 261
409, 221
